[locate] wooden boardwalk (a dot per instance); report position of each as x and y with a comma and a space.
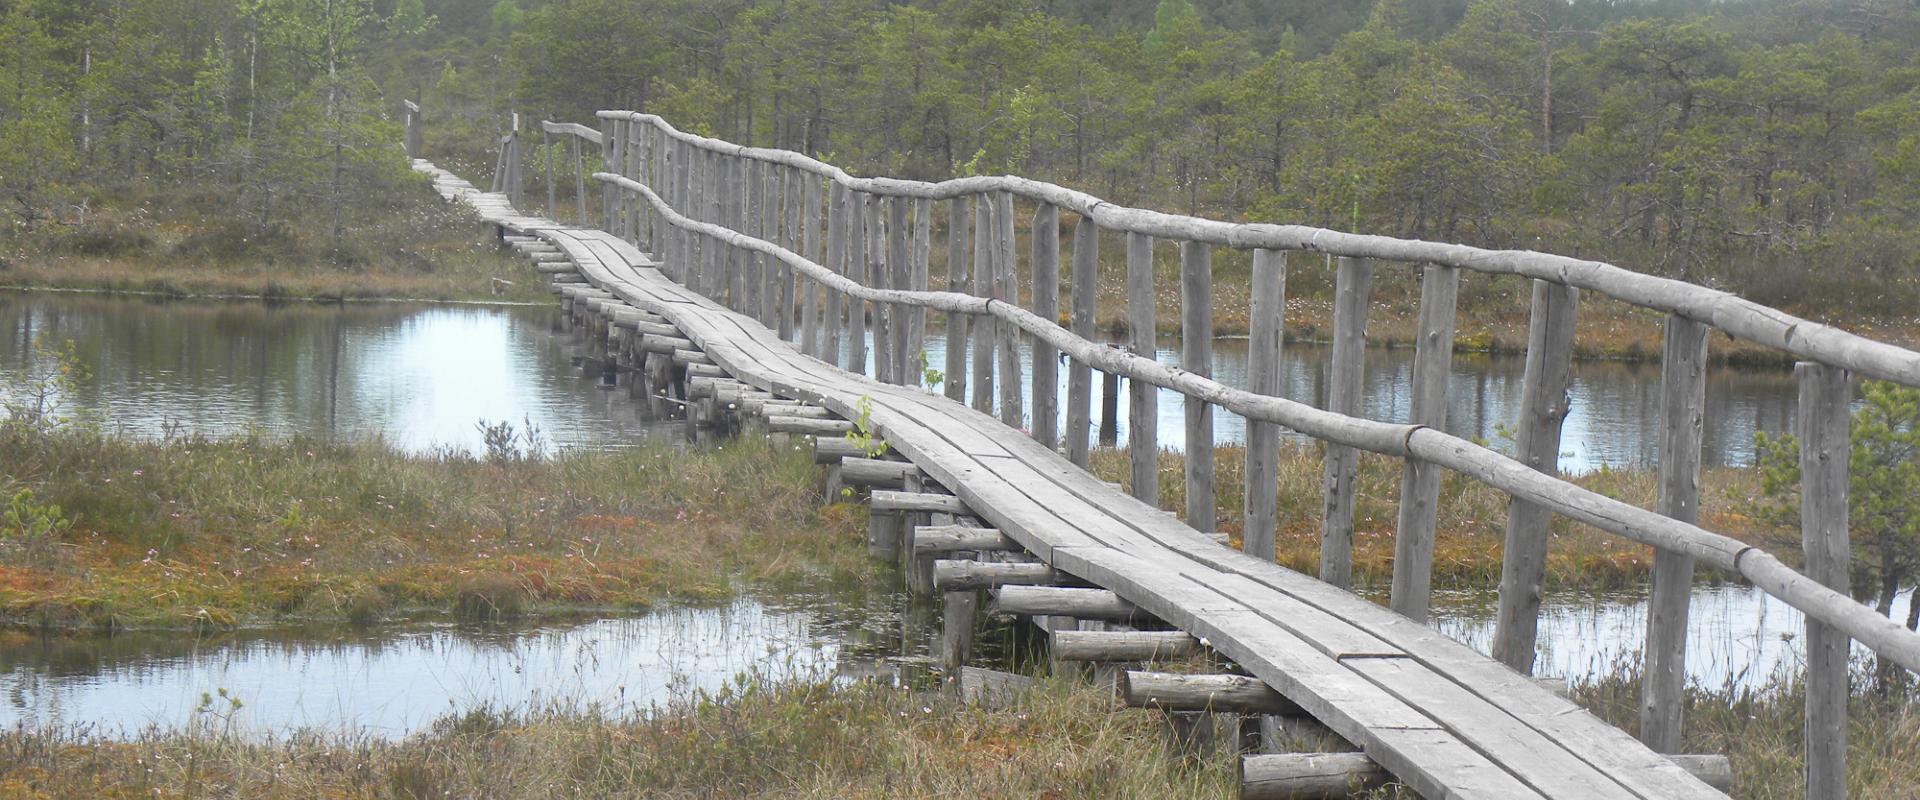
1440, 717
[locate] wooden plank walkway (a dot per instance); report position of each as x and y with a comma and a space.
1442, 718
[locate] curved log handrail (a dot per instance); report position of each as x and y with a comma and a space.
1881, 634
1724, 311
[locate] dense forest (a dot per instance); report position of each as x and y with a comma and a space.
1770, 147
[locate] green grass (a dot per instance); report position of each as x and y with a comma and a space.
251, 530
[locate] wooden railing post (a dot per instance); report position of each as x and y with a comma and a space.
1543, 407
956, 377
1196, 356
880, 277
800, 240
1683, 384
546, 148
1420, 480
983, 326
613, 140
1352, 293
919, 280
513, 163
900, 270
1143, 413
683, 201
857, 219
810, 242
1825, 393
837, 261
1046, 303
609, 199
744, 202
1006, 288
1085, 285
718, 174
1263, 377
579, 179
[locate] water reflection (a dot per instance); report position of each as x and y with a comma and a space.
389, 682
419, 376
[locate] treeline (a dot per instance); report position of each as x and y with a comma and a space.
1771, 148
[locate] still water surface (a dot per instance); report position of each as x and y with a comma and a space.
422, 376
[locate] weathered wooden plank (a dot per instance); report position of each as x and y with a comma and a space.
1264, 351
1419, 480
1353, 290
1143, 440
1683, 383
1822, 420
1085, 289
1537, 445
1045, 381
1542, 763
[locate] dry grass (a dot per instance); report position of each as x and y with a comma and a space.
866, 740
187, 243
1760, 731
1472, 519
202, 532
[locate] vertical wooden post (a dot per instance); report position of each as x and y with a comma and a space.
1109, 409
1006, 288
745, 203
1263, 377
956, 366
719, 173
546, 146
513, 163
1046, 304
579, 180
1196, 356
1543, 407
1420, 480
1352, 293
1143, 417
639, 168
613, 138
983, 336
608, 197
879, 276
1085, 285
919, 281
683, 203
1825, 392
836, 261
857, 272
413, 129
799, 242
899, 244
766, 269
1683, 385
810, 245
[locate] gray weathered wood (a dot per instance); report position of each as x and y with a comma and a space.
874, 472
1352, 294
1085, 288
1006, 289
810, 427
857, 260
1308, 776
983, 286
956, 365
810, 337
880, 276
1543, 407
1063, 601
1822, 422
950, 538
957, 611
1045, 381
835, 450
887, 501
958, 575
1237, 694
900, 274
1419, 518
836, 322
1143, 438
1264, 351
1122, 645
1196, 356
918, 265
1683, 385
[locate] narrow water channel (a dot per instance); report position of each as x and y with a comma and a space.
421, 377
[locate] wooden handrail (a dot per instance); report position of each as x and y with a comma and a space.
1724, 311
1420, 442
